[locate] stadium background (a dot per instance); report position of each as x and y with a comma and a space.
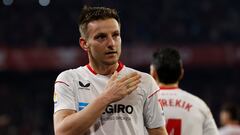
39, 39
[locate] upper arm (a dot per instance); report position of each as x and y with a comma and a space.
209, 125
157, 131
153, 113
60, 115
64, 93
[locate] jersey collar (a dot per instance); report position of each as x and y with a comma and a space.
119, 68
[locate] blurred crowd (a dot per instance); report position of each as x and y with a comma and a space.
26, 103
152, 21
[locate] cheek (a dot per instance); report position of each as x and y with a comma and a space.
119, 44
96, 50
119, 47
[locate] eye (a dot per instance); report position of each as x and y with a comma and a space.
100, 36
116, 34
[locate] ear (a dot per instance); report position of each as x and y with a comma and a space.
182, 74
83, 44
153, 72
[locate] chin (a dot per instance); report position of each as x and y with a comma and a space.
111, 62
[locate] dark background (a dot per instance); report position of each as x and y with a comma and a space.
202, 28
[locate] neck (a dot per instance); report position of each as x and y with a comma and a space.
104, 69
168, 85
233, 123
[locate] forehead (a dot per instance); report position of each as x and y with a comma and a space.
103, 26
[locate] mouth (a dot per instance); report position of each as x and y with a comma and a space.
111, 52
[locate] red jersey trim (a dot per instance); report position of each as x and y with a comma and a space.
91, 69
61, 82
168, 88
119, 68
153, 93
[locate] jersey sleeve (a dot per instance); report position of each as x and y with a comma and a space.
209, 125
153, 113
63, 93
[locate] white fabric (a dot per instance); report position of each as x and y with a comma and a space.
186, 114
129, 116
230, 130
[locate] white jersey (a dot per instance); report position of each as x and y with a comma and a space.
230, 130
76, 88
185, 113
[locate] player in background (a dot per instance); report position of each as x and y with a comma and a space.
185, 113
105, 97
230, 120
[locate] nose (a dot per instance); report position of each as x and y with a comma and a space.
111, 42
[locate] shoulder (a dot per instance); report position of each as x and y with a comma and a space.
199, 103
66, 74
148, 84
223, 130
145, 77
226, 130
192, 97
70, 73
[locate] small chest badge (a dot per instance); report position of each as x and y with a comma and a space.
84, 85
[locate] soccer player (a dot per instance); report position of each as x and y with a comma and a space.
105, 97
230, 118
185, 113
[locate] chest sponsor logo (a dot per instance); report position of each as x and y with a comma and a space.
115, 108
119, 108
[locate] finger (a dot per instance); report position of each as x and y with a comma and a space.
128, 76
132, 79
131, 89
133, 83
114, 76
132, 86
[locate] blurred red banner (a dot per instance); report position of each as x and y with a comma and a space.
64, 58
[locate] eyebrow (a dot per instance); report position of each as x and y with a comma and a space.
116, 31
100, 34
